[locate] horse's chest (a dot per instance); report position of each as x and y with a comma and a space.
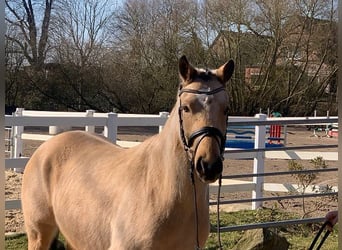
155, 231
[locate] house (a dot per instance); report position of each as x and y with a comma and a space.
305, 43
311, 45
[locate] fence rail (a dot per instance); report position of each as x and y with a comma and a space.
232, 228
111, 121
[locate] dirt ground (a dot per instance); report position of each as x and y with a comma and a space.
296, 136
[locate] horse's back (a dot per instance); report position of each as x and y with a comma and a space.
61, 156
53, 155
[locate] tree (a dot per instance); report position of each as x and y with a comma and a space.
99, 55
309, 52
267, 42
149, 37
27, 36
32, 35
80, 44
237, 38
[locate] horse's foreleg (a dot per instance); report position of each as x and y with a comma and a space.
41, 237
57, 244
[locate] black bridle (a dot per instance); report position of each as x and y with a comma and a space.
188, 143
205, 131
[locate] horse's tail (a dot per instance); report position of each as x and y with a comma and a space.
57, 244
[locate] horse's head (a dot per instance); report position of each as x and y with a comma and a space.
203, 103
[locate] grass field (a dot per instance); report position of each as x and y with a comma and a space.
299, 236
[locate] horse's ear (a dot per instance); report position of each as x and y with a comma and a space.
186, 71
225, 72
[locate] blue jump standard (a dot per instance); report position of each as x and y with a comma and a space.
249, 144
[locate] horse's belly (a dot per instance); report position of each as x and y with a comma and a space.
83, 225
82, 215
145, 231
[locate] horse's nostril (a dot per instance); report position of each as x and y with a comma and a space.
203, 165
218, 166
209, 171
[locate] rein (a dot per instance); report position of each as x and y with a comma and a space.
319, 234
188, 143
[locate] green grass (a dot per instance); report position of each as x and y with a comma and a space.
16, 242
299, 236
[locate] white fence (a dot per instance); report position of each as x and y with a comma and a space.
57, 121
111, 121
8, 141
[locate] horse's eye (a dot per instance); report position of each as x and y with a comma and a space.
186, 109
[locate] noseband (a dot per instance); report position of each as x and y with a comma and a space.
188, 143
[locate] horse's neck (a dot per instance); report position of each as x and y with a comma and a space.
167, 179
176, 157
176, 161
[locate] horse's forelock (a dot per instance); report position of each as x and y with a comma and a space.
203, 75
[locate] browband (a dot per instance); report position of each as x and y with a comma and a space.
200, 92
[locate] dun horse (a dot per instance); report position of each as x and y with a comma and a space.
151, 196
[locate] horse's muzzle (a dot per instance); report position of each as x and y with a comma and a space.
209, 172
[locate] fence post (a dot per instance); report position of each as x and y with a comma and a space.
285, 134
90, 113
163, 115
9, 141
17, 141
258, 164
111, 128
